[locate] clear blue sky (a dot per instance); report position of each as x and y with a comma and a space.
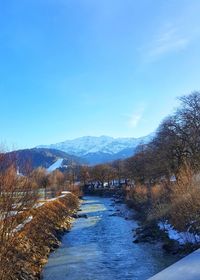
70, 68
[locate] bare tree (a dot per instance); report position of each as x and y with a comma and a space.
17, 197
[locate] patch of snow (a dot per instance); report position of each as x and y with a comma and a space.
20, 226
66, 192
173, 178
18, 173
63, 194
55, 165
181, 237
57, 197
39, 204
13, 213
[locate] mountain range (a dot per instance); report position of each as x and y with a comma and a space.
95, 150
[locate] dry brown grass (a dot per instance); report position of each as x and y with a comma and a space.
179, 203
138, 194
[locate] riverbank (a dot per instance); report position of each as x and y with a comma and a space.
40, 236
150, 231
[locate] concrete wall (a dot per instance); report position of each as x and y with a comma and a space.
187, 268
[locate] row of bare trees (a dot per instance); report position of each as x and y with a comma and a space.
54, 182
103, 173
166, 172
176, 143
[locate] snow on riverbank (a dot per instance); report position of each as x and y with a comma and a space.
40, 203
181, 237
20, 226
29, 219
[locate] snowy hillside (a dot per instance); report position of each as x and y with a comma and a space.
50, 159
100, 149
55, 165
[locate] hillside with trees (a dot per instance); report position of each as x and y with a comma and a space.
28, 159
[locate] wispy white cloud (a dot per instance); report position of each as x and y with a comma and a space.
167, 40
135, 118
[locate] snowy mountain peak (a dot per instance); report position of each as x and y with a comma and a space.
88, 146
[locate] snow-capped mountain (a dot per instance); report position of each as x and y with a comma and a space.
100, 149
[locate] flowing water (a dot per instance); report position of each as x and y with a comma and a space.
101, 248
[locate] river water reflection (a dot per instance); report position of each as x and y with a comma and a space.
101, 248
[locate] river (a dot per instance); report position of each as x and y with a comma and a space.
101, 247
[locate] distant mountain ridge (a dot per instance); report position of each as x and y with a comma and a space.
41, 157
101, 149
